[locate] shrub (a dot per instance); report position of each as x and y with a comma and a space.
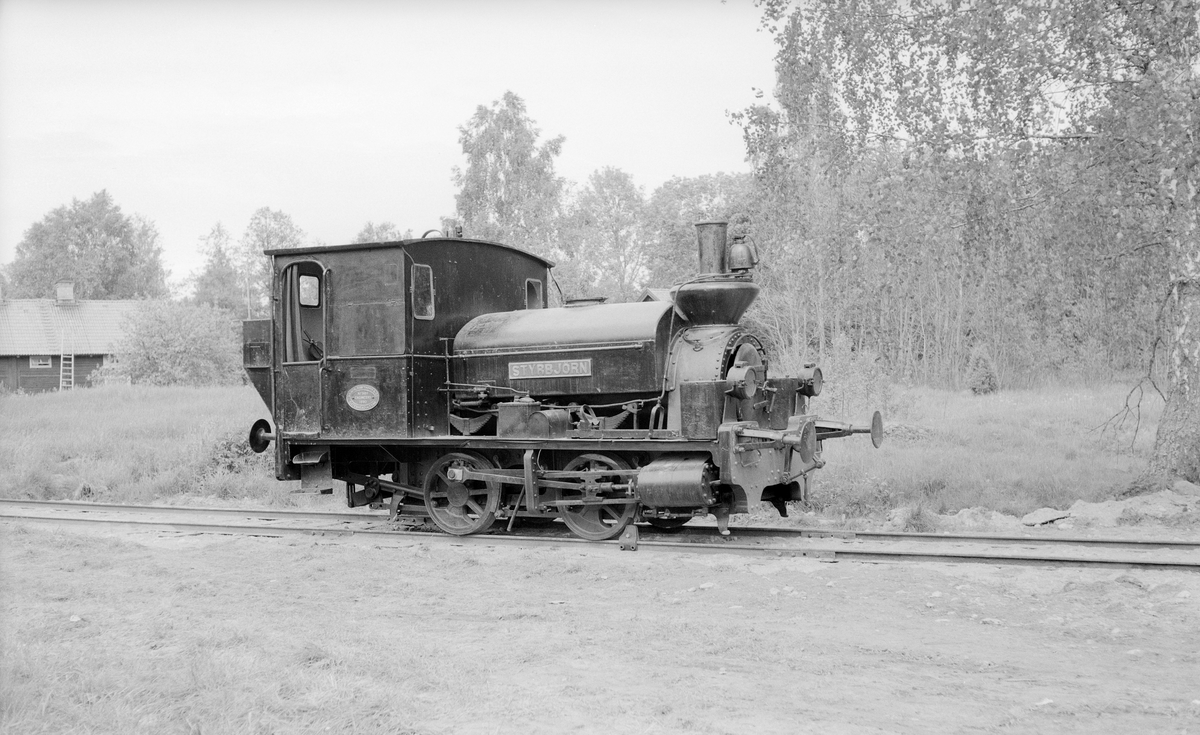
981, 373
856, 383
173, 343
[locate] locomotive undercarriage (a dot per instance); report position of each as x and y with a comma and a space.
467, 491
595, 487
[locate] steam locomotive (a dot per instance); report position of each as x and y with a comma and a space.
430, 376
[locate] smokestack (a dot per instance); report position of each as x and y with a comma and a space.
710, 236
716, 296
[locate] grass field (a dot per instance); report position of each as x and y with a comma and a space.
1012, 452
134, 444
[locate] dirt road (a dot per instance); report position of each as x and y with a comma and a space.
135, 632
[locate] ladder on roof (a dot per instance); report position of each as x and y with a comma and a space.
66, 368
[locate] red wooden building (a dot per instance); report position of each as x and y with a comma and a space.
50, 344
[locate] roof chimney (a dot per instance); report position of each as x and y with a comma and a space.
64, 292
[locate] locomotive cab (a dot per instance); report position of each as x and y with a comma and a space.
358, 343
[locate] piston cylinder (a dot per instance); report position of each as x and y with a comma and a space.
677, 481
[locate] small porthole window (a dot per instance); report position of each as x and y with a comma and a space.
533, 293
310, 291
422, 292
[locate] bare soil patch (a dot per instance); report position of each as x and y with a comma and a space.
151, 633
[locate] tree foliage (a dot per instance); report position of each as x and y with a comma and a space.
217, 284
268, 229
108, 254
604, 237
509, 190
382, 232
672, 211
1015, 177
176, 343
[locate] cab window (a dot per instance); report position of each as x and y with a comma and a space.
533, 294
310, 291
422, 291
303, 313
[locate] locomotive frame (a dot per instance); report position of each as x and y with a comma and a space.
431, 376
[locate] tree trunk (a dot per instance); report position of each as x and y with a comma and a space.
1177, 445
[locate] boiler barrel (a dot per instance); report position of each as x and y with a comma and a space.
613, 350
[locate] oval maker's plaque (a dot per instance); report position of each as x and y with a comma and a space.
362, 397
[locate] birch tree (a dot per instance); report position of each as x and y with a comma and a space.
268, 229
217, 284
508, 190
606, 233
975, 91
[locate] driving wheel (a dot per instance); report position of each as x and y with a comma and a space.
597, 521
464, 506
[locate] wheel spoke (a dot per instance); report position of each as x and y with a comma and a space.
474, 506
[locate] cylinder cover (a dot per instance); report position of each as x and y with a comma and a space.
677, 481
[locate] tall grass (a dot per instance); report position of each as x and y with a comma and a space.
1013, 451
133, 444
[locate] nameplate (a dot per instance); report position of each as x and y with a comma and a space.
550, 369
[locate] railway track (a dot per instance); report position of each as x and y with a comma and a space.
770, 541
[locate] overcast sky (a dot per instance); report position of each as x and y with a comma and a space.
192, 113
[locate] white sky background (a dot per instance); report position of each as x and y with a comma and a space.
194, 112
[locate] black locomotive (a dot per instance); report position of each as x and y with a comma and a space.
429, 374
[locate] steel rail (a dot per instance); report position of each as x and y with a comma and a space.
691, 531
719, 546
995, 539
84, 506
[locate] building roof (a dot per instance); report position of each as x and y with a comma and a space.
656, 294
41, 326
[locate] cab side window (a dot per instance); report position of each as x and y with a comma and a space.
533, 294
422, 291
310, 291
